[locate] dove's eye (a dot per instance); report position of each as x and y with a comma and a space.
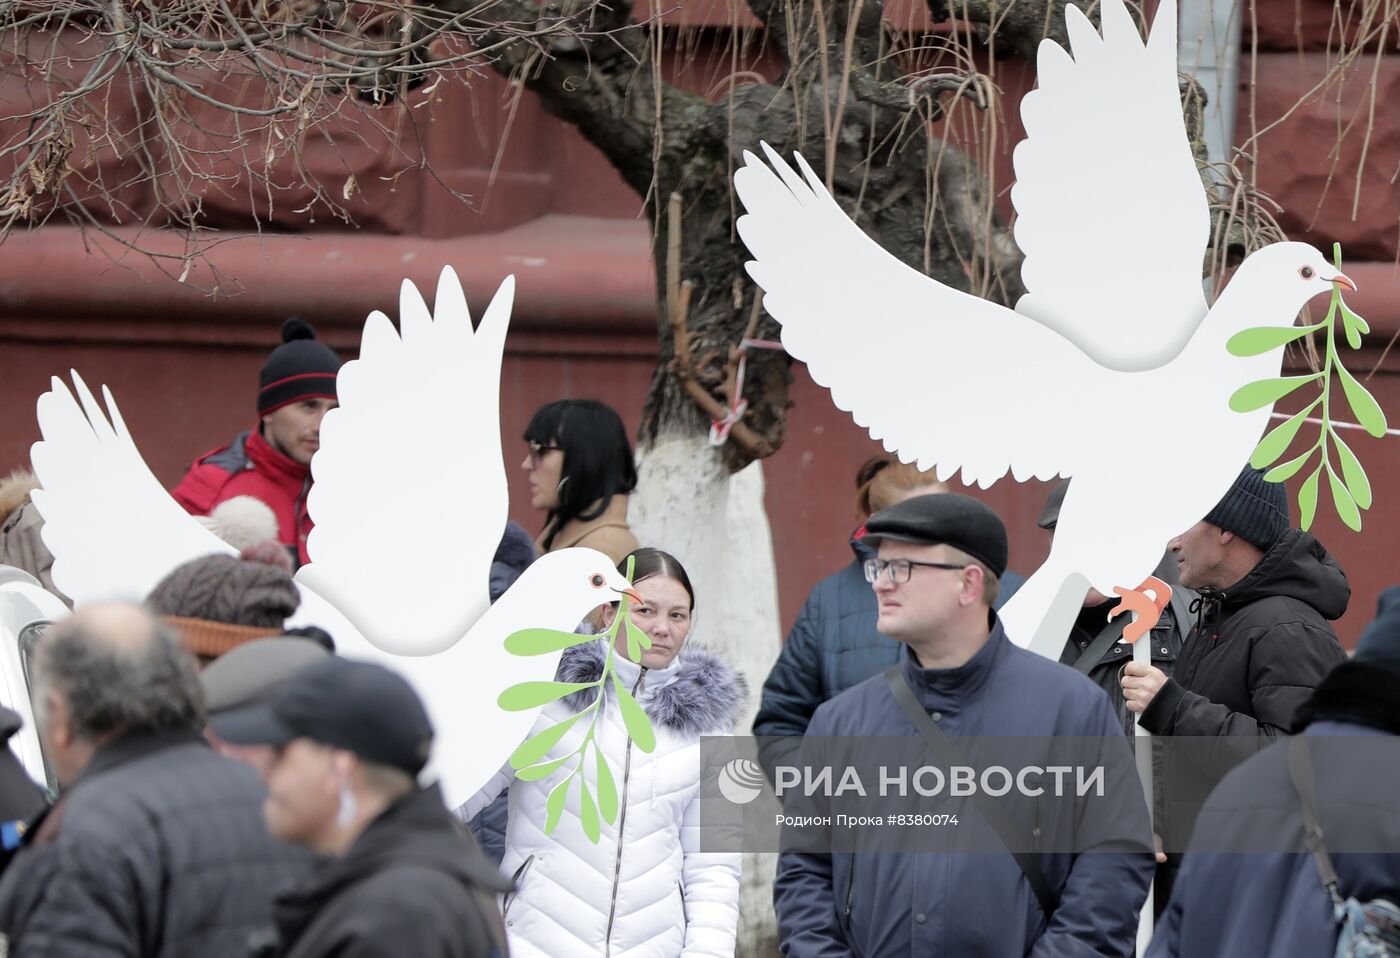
596, 581
1306, 272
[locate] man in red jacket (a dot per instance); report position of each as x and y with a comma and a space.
273, 462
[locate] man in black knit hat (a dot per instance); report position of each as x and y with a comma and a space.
1261, 643
272, 463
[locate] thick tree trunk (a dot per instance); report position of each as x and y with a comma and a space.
689, 503
867, 132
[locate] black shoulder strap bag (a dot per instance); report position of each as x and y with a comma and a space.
943, 746
1368, 929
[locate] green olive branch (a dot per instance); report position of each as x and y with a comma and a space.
1346, 480
532, 761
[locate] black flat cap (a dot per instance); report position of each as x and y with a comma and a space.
357, 706
944, 518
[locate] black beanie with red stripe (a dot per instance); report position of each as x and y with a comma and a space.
301, 368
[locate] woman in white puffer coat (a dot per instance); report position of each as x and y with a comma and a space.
645, 889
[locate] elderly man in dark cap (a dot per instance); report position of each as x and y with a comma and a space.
156, 846
1261, 643
959, 680
399, 877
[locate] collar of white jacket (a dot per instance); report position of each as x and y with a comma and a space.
628, 671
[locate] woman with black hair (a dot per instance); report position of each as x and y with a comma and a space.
580, 470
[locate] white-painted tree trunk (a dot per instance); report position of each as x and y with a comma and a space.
716, 525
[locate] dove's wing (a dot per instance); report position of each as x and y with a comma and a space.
1111, 213
112, 528
939, 376
410, 496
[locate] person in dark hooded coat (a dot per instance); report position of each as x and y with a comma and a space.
1261, 643
1271, 903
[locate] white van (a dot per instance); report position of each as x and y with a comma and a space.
26, 609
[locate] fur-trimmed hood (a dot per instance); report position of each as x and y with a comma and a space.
14, 491
697, 694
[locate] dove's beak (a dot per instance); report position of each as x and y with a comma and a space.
1342, 279
633, 595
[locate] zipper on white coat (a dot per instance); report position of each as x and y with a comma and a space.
621, 824
515, 881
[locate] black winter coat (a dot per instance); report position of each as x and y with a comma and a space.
1259, 648
157, 850
1256, 653
1248, 888
412, 884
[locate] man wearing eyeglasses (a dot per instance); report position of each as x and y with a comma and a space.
935, 578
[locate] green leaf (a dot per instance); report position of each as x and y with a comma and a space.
1289, 468
638, 725
554, 804
1265, 392
1353, 334
607, 788
533, 773
1352, 473
1274, 443
543, 641
1261, 339
1350, 318
1307, 500
529, 695
1346, 508
537, 746
637, 640
588, 813
1363, 404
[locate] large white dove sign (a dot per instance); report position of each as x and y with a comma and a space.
409, 503
1112, 343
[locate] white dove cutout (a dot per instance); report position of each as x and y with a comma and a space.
403, 582
1112, 343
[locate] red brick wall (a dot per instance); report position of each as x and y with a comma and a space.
183, 366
